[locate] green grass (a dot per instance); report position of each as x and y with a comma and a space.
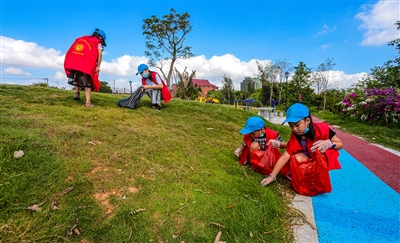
137, 175
385, 136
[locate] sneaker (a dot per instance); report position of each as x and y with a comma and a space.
76, 96
158, 107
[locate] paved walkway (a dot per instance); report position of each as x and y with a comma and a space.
364, 205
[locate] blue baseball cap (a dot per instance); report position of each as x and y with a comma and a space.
141, 68
254, 123
103, 34
296, 112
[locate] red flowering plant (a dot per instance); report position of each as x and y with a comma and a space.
374, 105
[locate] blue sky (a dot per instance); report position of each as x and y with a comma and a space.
227, 36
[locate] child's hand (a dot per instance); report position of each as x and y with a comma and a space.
237, 152
321, 145
274, 143
268, 180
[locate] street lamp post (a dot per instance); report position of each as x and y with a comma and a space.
286, 76
130, 84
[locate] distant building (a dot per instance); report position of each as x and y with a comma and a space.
244, 85
204, 84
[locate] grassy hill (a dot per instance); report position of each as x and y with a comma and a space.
112, 174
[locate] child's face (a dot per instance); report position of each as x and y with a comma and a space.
256, 134
300, 126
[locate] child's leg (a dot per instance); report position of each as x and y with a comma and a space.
301, 157
255, 146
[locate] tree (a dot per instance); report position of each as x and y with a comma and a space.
284, 66
300, 84
269, 76
385, 76
321, 77
185, 88
227, 88
104, 88
396, 42
188, 93
215, 94
164, 40
250, 84
256, 95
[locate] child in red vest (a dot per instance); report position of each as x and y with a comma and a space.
305, 139
82, 63
153, 86
257, 137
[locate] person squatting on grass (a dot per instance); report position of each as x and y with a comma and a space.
82, 63
153, 86
305, 139
257, 137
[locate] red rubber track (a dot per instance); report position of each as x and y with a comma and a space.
382, 163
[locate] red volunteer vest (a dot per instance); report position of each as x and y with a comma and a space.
269, 134
321, 133
82, 56
166, 95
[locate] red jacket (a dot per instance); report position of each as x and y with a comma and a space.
82, 56
321, 133
166, 95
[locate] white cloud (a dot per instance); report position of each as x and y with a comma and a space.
59, 76
379, 21
326, 29
28, 54
324, 47
340, 80
123, 69
214, 68
16, 71
122, 66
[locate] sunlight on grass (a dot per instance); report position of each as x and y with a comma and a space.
137, 175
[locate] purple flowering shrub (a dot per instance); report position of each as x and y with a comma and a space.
373, 105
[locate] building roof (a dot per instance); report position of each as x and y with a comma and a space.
203, 83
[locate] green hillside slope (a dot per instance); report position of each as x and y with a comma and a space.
112, 174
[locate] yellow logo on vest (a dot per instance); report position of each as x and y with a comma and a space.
79, 47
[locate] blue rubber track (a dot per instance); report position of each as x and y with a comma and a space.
360, 208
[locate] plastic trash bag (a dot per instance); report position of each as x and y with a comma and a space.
133, 100
264, 161
310, 177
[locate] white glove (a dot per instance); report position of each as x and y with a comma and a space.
274, 143
321, 145
268, 180
237, 152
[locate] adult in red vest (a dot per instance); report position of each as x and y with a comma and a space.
257, 137
153, 86
305, 139
82, 63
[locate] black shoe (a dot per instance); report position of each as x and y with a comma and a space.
158, 107
76, 96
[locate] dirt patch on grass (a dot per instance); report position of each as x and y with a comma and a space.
103, 198
133, 189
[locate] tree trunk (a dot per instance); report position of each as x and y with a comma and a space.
171, 68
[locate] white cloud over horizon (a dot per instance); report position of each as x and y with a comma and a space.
379, 21
19, 54
16, 71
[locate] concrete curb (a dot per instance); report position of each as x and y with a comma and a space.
306, 233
